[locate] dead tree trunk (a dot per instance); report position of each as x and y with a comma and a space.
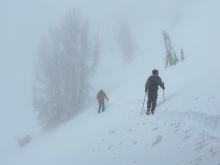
171, 58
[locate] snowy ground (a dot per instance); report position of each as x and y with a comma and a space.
184, 130
126, 138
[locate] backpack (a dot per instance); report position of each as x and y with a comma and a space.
153, 83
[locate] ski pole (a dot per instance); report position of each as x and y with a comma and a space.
163, 93
143, 103
98, 107
163, 96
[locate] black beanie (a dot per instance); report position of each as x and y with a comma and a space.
155, 71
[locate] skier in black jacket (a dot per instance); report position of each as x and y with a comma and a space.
151, 87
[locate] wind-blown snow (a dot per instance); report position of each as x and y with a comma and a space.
186, 126
184, 129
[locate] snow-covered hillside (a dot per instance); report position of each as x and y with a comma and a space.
184, 130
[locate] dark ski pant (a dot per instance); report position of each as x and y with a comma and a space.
152, 101
101, 106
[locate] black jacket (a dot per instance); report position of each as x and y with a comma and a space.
152, 84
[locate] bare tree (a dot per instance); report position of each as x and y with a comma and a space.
125, 41
63, 72
171, 57
96, 53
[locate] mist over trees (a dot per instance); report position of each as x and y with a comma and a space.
95, 53
66, 60
125, 41
171, 58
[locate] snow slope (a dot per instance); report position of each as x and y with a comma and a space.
184, 130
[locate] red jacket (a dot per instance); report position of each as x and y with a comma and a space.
101, 96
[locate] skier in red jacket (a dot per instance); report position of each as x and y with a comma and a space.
101, 97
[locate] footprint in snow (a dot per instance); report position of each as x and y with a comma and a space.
187, 131
155, 128
215, 139
157, 140
110, 147
199, 147
120, 143
94, 149
198, 160
135, 142
134, 161
187, 137
173, 124
113, 131
212, 151
210, 98
176, 127
130, 130
201, 142
196, 98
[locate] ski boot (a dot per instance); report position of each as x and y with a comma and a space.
148, 112
152, 110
